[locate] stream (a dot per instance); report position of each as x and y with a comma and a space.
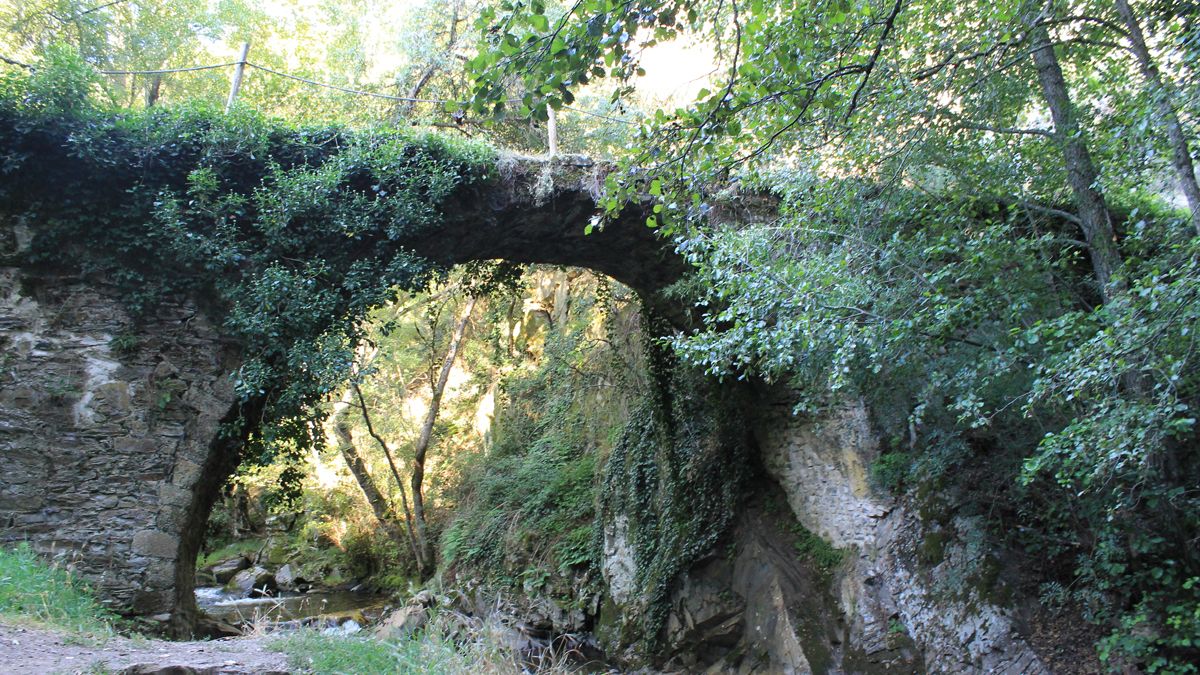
345, 612
291, 609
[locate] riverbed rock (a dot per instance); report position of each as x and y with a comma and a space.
254, 582
348, 627
214, 629
287, 578
225, 570
423, 598
402, 622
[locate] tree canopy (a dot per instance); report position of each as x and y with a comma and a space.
988, 223
988, 231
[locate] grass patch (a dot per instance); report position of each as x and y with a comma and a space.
247, 547
32, 591
427, 651
812, 548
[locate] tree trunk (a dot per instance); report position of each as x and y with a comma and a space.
379, 506
405, 108
1181, 157
421, 447
408, 518
152, 90
1094, 217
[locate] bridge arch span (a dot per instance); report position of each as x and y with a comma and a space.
109, 427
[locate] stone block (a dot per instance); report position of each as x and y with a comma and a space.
186, 473
155, 543
172, 495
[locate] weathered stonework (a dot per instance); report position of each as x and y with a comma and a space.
106, 432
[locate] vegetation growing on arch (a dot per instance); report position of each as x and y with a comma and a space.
287, 235
974, 238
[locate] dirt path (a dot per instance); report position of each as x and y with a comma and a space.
38, 651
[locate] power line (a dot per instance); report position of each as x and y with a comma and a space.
165, 71
16, 63
599, 115
315, 83
347, 90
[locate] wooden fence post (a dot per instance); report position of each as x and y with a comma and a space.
552, 130
238, 71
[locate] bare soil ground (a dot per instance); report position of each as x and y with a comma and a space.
39, 651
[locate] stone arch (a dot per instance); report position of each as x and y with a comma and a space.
112, 439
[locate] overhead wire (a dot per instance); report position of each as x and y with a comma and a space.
315, 83
165, 71
347, 90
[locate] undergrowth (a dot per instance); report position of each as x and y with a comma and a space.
245, 547
526, 514
32, 591
820, 553
430, 651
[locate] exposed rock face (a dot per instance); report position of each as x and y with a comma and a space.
759, 610
618, 565
105, 433
893, 585
910, 596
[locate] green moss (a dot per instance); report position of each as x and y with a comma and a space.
932, 550
245, 547
932, 505
676, 476
816, 551
987, 584
612, 626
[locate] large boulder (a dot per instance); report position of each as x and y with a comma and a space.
402, 622
287, 578
254, 582
225, 570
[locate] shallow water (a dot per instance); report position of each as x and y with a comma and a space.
289, 606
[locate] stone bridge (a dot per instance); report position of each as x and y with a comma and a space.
111, 455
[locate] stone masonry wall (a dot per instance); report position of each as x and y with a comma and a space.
106, 431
